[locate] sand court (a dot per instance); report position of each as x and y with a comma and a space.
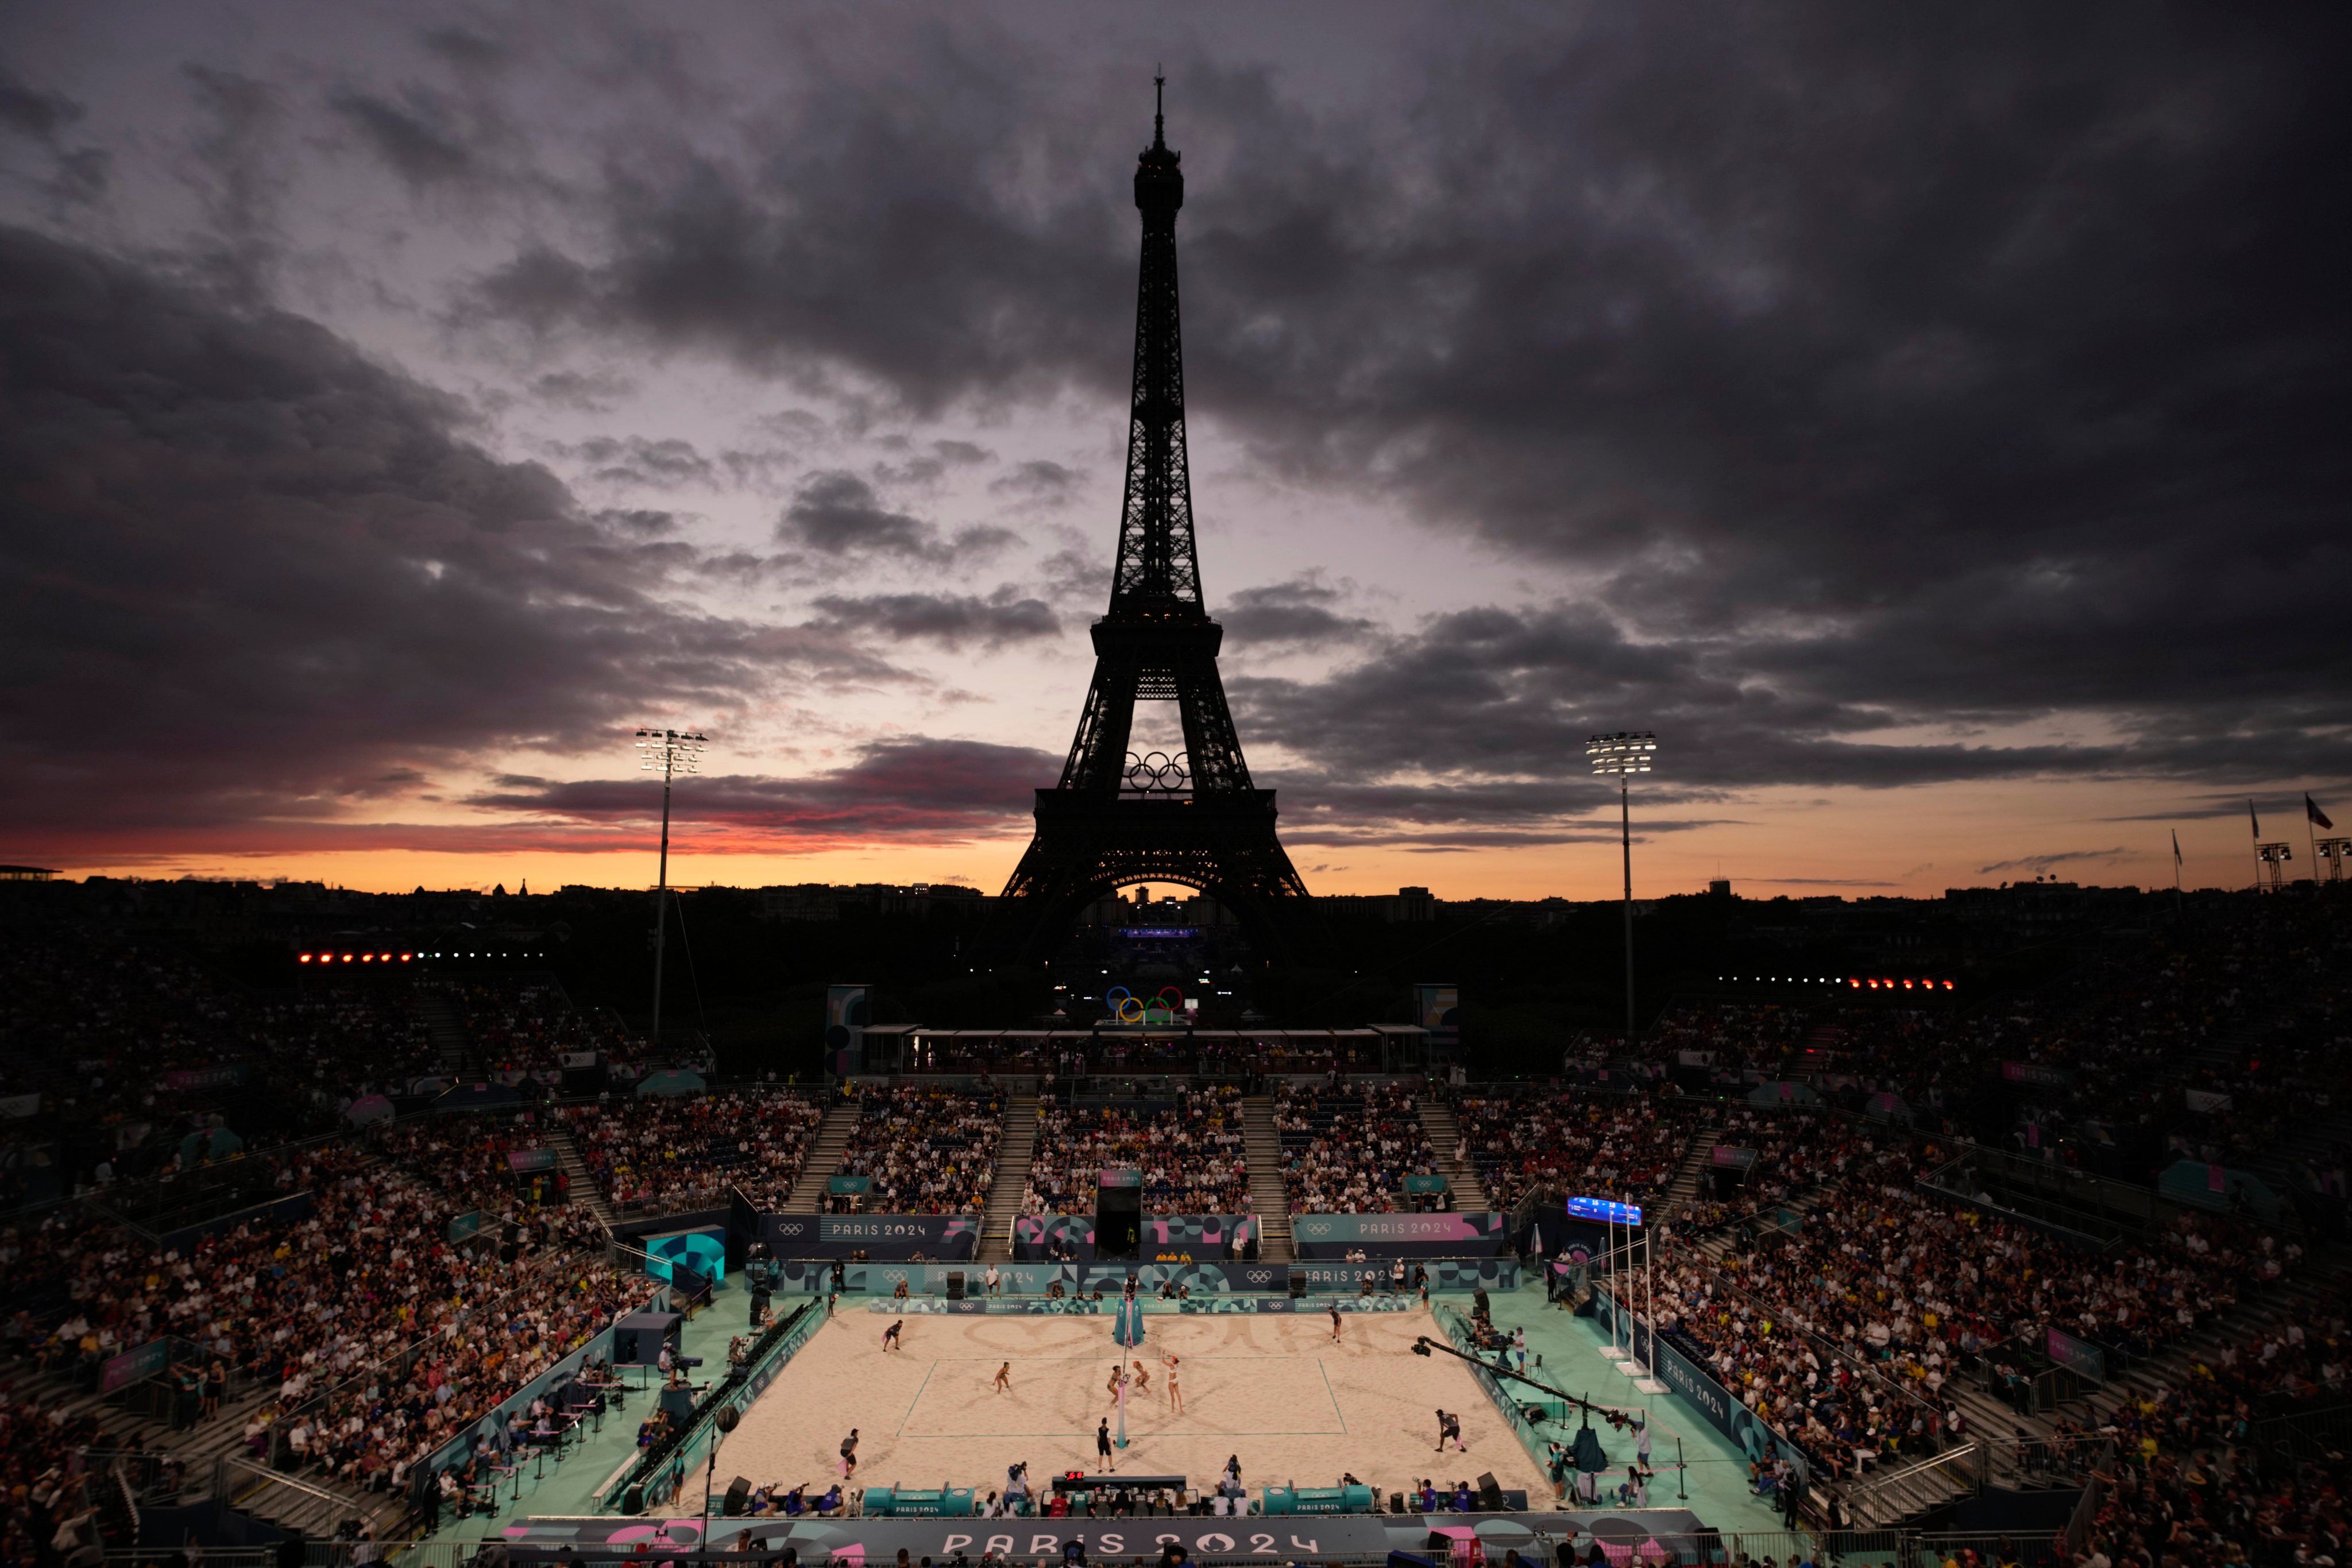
1272, 1389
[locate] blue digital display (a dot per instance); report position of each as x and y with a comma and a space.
1603, 1210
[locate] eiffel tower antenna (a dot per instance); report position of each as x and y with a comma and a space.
1116, 818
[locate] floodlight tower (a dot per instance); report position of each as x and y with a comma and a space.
2272, 860
2333, 851
670, 752
1624, 755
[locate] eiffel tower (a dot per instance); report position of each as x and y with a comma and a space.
1193, 818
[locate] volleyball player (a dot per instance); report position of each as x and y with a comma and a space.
891, 1336
1004, 1378
1175, 1395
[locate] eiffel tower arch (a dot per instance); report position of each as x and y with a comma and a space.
1193, 817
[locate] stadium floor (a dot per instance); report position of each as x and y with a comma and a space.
1575, 1361
1272, 1389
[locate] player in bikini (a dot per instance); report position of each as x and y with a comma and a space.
891, 1336
1004, 1378
1142, 1382
1335, 1322
1175, 1395
1118, 1377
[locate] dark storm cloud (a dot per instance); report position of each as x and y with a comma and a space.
839, 514
915, 790
415, 137
637, 460
250, 572
1879, 369
1296, 613
236, 166
33, 112
1037, 480
77, 175
949, 620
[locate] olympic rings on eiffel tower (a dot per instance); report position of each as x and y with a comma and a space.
1127, 1007
1157, 773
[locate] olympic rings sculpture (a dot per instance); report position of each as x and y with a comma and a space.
1161, 1008
1157, 773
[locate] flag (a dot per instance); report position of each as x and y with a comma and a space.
2255, 820
2176, 849
2312, 814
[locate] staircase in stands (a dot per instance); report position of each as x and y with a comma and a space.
583, 1189
1682, 1190
824, 1158
1262, 1148
441, 1021
1445, 1137
1016, 1146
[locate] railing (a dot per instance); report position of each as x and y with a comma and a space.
1890, 1493
233, 1479
2313, 1434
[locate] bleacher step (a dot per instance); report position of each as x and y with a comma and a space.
1017, 1148
1269, 1199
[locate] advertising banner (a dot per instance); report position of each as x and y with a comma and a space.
1650, 1535
1201, 1280
2035, 1072
878, 1236
227, 1076
1437, 1007
1400, 1234
132, 1365
2080, 1355
521, 1161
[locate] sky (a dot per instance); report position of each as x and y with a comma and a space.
1932, 424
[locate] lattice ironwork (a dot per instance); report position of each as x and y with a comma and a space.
1156, 643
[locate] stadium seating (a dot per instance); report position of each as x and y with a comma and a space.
926, 1151
682, 1152
1347, 1148
1189, 1153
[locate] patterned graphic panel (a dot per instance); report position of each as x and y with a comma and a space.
1400, 1234
1166, 1238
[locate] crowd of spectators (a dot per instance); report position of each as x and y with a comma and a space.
2187, 1477
2148, 1031
1189, 1151
1347, 1148
672, 1152
926, 1151
1625, 1148
1764, 1159
1843, 1328
417, 1293
140, 1043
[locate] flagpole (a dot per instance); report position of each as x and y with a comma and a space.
2176, 911
2255, 826
2310, 842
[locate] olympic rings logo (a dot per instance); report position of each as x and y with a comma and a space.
1157, 773
1127, 1007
